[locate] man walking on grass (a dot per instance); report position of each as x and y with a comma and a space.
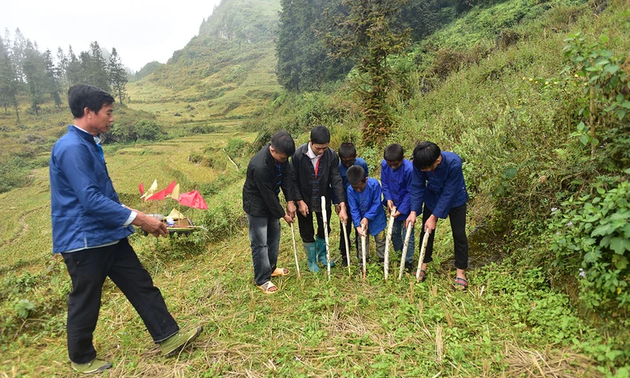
268, 171
90, 229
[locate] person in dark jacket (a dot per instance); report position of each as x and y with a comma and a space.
268, 171
438, 183
90, 229
315, 169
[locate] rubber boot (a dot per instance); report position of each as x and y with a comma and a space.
321, 252
311, 257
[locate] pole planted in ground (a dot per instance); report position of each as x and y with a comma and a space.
388, 239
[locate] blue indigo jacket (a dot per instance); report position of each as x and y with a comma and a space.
368, 204
396, 185
85, 208
440, 190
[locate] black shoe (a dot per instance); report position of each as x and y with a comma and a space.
409, 267
381, 260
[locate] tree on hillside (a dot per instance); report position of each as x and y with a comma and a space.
8, 81
73, 69
34, 69
117, 76
98, 68
62, 66
18, 53
366, 33
303, 60
52, 78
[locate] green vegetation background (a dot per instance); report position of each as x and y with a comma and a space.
483, 86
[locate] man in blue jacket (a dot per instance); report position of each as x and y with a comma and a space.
438, 183
90, 229
268, 172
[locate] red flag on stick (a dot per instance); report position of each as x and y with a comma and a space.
163, 193
193, 199
141, 188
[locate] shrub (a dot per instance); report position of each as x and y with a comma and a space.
593, 233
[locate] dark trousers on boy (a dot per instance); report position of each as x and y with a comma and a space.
457, 217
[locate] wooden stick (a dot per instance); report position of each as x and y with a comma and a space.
364, 253
388, 239
345, 237
404, 251
325, 216
228, 156
425, 240
297, 264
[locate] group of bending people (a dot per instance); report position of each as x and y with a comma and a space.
90, 226
431, 184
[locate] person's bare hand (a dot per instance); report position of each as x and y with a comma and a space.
430, 224
288, 218
291, 209
411, 219
150, 225
303, 208
343, 215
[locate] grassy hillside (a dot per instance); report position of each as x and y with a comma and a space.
227, 71
523, 316
506, 324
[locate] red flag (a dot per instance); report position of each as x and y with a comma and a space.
170, 187
193, 199
141, 188
163, 193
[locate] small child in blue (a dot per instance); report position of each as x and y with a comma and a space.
366, 209
396, 176
347, 158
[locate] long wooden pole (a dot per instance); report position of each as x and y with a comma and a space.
345, 237
404, 251
388, 239
364, 252
325, 216
297, 264
425, 241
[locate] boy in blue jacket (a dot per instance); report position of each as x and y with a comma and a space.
438, 183
396, 176
347, 158
364, 199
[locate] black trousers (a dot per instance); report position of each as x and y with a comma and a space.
307, 232
457, 216
88, 270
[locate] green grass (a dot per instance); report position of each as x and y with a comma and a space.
345, 326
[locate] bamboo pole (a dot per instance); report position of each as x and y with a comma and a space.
404, 251
364, 252
297, 264
388, 239
425, 240
325, 216
345, 237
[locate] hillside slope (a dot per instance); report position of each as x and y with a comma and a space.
227, 71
